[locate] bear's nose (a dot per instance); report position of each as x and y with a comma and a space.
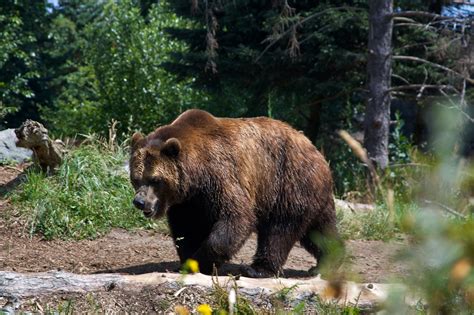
139, 202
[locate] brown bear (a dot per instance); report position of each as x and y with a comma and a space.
219, 179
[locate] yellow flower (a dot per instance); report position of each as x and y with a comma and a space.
204, 309
191, 265
181, 310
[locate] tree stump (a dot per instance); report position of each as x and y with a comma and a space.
46, 152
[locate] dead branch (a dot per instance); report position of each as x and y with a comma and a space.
423, 14
399, 77
409, 24
403, 19
422, 87
17, 286
445, 208
46, 152
361, 153
416, 59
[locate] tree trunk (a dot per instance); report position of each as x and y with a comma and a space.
436, 6
377, 119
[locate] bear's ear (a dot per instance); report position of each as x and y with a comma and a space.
171, 147
137, 140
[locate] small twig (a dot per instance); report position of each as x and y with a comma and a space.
448, 97
421, 86
456, 106
446, 208
409, 164
399, 77
177, 293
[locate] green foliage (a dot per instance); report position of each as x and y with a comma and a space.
89, 195
122, 78
18, 56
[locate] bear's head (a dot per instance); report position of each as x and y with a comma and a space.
155, 175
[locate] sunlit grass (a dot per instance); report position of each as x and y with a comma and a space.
377, 224
85, 198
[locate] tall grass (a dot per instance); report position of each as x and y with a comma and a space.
378, 224
85, 198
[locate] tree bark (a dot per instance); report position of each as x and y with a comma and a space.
17, 286
379, 64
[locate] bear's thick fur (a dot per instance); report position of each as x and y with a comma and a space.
219, 179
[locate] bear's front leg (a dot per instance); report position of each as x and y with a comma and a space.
226, 238
188, 234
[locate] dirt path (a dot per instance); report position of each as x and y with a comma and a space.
143, 251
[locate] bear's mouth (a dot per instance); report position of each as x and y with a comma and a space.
155, 212
149, 214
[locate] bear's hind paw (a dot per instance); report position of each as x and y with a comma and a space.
251, 272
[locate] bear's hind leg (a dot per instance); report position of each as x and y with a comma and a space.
325, 245
274, 245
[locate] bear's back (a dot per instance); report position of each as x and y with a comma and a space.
261, 135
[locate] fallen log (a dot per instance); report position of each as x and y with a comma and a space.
18, 286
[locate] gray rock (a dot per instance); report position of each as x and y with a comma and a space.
9, 152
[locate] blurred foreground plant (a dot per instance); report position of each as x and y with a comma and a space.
441, 260
442, 252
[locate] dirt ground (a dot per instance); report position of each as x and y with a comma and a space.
147, 251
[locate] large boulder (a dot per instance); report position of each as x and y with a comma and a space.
9, 152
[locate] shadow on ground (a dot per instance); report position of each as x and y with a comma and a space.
11, 185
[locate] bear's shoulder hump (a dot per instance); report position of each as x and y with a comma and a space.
195, 118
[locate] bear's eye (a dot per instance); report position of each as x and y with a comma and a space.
156, 182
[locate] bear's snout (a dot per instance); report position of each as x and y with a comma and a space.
147, 201
139, 202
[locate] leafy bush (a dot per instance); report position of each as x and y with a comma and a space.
89, 195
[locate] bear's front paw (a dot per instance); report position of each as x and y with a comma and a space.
253, 272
